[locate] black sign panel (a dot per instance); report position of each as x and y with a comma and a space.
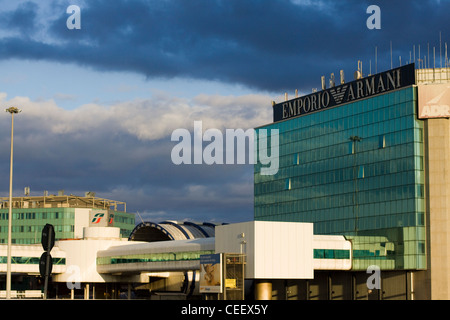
348, 92
48, 237
45, 264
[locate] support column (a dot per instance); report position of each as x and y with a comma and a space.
263, 290
86, 292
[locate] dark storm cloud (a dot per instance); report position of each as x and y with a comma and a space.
272, 45
138, 172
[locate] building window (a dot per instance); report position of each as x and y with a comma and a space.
421, 247
296, 159
351, 147
420, 191
352, 144
287, 184
381, 141
331, 254
420, 219
361, 172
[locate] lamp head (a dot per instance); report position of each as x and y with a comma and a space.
13, 110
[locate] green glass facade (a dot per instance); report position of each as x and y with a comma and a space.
27, 223
331, 254
355, 170
31, 260
154, 257
125, 221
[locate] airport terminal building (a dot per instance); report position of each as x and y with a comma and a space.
369, 160
362, 186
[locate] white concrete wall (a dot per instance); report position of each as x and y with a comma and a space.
81, 260
81, 221
275, 250
105, 233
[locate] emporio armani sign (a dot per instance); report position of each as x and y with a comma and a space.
345, 93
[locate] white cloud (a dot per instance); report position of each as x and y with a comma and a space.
146, 119
318, 4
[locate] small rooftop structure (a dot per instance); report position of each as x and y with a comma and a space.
62, 201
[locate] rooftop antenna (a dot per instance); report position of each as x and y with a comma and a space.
446, 55
434, 63
428, 55
400, 59
342, 77
446, 60
391, 54
419, 56
440, 46
376, 60
434, 57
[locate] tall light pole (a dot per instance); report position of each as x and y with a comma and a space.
12, 110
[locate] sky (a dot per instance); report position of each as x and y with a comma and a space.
99, 103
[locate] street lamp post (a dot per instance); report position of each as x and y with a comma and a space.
12, 110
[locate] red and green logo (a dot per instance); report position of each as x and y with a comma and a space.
98, 217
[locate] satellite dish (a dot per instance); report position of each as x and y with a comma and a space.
357, 75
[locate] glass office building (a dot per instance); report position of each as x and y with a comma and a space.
355, 169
